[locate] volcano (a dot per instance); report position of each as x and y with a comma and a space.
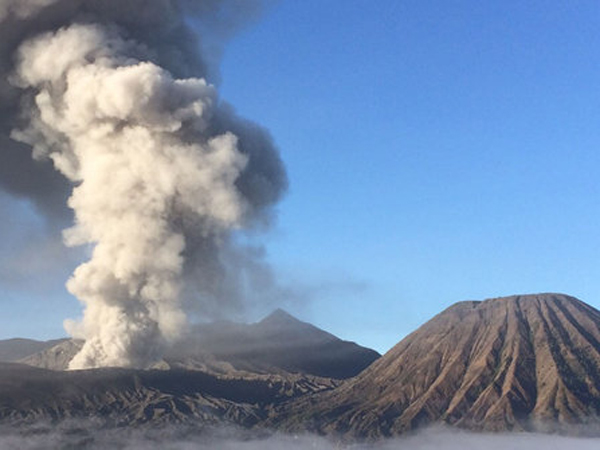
278, 344
528, 362
521, 363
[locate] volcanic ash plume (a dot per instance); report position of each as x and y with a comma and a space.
153, 167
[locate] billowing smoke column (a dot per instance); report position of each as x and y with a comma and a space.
113, 95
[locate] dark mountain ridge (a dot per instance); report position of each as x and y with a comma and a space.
122, 397
224, 372
279, 343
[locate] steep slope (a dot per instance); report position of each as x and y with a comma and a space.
15, 349
119, 397
279, 343
522, 362
56, 357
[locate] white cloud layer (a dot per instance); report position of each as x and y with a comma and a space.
175, 438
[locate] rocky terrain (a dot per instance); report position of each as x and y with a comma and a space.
118, 397
55, 357
220, 373
517, 363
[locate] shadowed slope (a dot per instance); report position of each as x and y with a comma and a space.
279, 343
15, 349
519, 362
133, 397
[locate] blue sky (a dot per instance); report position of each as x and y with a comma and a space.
437, 152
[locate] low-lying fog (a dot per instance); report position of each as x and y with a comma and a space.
84, 436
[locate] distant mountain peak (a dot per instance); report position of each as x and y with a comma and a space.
279, 316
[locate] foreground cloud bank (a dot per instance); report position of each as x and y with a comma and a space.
174, 438
115, 97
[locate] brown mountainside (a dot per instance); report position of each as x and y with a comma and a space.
522, 362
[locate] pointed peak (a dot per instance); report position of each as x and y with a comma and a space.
279, 316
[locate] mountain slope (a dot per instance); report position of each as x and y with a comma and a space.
120, 397
224, 372
15, 349
280, 343
512, 363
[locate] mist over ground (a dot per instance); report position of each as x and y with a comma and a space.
84, 435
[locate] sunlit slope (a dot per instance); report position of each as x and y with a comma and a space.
521, 362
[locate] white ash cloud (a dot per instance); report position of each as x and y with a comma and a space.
161, 172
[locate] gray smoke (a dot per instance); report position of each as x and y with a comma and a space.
109, 103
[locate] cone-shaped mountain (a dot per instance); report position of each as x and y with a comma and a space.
521, 362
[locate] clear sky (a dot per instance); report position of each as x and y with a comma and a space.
438, 151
